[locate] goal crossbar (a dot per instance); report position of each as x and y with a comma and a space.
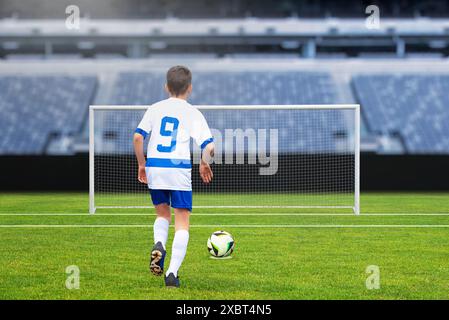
238, 107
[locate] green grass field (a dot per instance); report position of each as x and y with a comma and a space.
280, 253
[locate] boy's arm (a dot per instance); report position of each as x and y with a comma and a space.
206, 158
138, 150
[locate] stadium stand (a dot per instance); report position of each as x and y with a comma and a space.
231, 88
40, 107
51, 108
415, 107
244, 88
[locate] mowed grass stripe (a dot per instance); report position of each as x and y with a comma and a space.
370, 203
230, 214
225, 226
220, 220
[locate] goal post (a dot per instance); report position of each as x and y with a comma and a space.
267, 156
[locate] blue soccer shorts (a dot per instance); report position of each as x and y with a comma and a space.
177, 199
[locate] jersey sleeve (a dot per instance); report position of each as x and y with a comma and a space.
144, 126
200, 131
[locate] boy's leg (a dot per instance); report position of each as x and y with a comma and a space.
180, 240
162, 223
182, 205
161, 201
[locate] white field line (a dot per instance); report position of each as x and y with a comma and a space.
227, 226
231, 214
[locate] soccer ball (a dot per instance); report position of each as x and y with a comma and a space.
220, 244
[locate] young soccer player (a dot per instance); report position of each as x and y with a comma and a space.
167, 169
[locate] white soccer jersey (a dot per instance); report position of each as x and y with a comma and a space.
172, 122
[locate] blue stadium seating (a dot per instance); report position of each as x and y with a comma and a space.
34, 107
415, 107
250, 88
231, 88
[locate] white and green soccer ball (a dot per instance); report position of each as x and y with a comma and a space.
220, 244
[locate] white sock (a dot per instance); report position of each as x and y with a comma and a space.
179, 250
160, 230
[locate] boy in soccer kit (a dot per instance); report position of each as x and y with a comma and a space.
167, 169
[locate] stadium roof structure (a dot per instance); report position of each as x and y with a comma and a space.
225, 27
138, 38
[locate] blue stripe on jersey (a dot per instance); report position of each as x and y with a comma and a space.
205, 143
142, 132
169, 163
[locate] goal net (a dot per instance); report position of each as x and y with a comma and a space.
283, 156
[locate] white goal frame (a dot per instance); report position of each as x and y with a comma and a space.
355, 107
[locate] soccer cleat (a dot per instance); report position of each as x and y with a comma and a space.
157, 259
171, 281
